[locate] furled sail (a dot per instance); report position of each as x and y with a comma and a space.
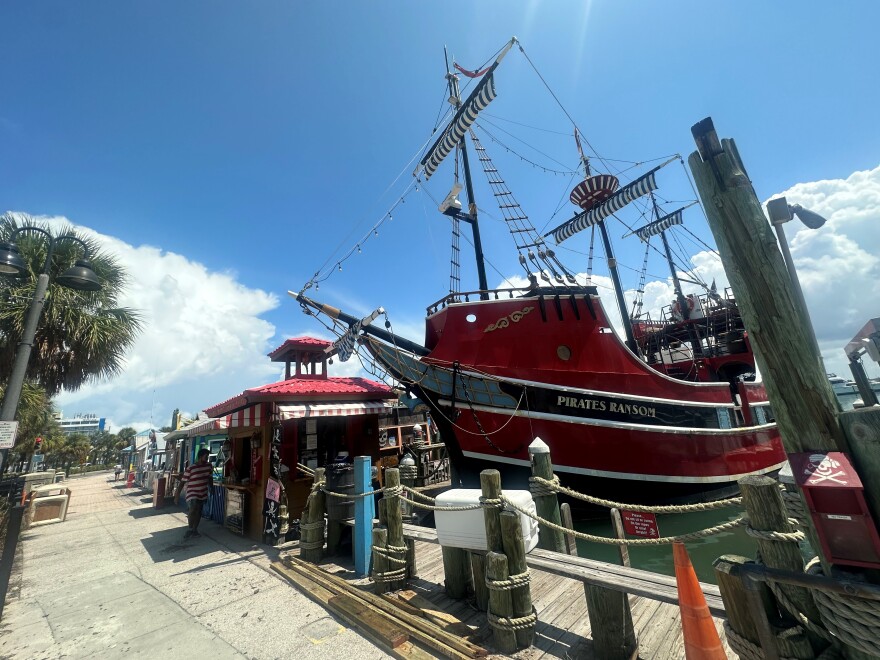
482, 96
660, 224
626, 195
654, 228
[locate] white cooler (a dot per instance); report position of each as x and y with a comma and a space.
466, 529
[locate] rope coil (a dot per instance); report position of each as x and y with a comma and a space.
513, 582
513, 623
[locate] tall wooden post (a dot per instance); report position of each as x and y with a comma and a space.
546, 503
862, 430
478, 571
456, 571
521, 597
803, 402
379, 536
364, 510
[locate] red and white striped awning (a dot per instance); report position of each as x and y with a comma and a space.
254, 415
332, 409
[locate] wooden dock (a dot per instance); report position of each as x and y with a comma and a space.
563, 629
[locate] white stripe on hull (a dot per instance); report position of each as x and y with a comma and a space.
628, 476
607, 423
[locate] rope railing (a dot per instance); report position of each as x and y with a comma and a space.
540, 487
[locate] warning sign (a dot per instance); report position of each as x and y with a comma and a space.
636, 523
7, 434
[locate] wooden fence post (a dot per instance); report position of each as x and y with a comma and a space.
862, 430
312, 538
617, 526
547, 503
500, 602
521, 597
364, 510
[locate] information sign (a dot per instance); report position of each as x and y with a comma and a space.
7, 434
636, 523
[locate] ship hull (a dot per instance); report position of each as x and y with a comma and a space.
638, 447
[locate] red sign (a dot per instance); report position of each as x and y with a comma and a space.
636, 523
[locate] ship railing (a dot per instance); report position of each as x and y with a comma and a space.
508, 293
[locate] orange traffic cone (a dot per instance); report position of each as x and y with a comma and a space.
701, 641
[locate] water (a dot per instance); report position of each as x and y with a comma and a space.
658, 558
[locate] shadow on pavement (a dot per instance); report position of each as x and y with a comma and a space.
146, 513
169, 545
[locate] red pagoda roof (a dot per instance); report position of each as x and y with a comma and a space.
296, 343
327, 390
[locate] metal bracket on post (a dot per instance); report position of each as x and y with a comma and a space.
364, 512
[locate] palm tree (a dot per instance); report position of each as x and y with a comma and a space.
82, 335
35, 419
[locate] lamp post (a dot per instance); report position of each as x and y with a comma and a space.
780, 212
79, 276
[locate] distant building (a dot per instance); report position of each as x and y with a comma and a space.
86, 424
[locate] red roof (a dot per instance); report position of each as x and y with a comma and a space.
306, 389
299, 343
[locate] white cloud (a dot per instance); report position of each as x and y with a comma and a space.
202, 340
839, 264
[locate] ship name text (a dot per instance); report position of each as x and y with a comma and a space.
612, 406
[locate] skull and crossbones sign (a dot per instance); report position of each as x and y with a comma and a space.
824, 468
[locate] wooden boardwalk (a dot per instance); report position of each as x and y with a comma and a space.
563, 629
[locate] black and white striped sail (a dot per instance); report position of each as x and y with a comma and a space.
482, 96
626, 195
660, 225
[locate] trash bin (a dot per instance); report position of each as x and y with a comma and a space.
159, 493
340, 479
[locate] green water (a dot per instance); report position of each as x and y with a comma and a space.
658, 558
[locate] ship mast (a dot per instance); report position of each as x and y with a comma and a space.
676, 284
618, 289
471, 216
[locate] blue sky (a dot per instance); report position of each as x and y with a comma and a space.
226, 149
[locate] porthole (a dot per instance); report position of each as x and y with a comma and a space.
564, 352
470, 318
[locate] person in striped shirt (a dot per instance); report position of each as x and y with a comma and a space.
198, 478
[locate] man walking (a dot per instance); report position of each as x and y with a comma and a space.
198, 479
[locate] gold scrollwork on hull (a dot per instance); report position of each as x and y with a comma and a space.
504, 321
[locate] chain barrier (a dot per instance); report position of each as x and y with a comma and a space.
552, 487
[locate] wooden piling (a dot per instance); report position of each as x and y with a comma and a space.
478, 571
380, 563
790, 642
456, 570
394, 517
611, 623
521, 597
571, 547
547, 502
617, 526
500, 603
862, 430
766, 512
490, 482
312, 538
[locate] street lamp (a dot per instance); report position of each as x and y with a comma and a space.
780, 212
79, 276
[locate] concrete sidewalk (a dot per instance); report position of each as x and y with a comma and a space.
117, 580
